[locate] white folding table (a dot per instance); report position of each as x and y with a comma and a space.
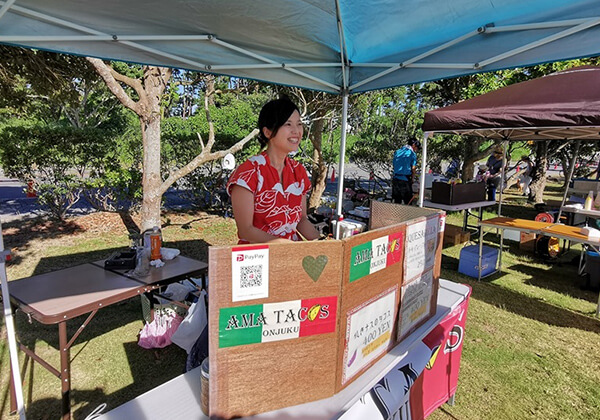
179, 398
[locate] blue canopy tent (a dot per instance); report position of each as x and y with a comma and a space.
336, 46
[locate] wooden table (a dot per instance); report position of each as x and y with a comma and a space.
180, 397
59, 296
560, 231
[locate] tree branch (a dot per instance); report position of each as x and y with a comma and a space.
111, 77
205, 156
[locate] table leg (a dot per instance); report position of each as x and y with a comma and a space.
480, 252
466, 220
13, 394
65, 370
501, 248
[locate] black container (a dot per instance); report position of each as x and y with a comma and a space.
121, 260
454, 194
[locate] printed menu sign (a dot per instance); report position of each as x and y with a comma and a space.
368, 332
249, 273
415, 302
375, 255
421, 243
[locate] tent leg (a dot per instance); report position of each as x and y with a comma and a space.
10, 331
340, 196
568, 180
502, 175
423, 169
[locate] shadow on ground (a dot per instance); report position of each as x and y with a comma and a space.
487, 290
149, 368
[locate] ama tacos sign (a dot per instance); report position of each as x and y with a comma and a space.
277, 321
376, 255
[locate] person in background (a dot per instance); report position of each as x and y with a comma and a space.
268, 191
453, 170
494, 165
405, 166
525, 174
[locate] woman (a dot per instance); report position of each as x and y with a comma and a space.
268, 191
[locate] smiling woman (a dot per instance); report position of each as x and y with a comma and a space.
268, 191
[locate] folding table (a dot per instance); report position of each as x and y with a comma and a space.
59, 296
560, 231
467, 207
180, 397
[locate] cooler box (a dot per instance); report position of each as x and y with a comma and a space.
469, 260
453, 194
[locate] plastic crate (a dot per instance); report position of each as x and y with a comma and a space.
469, 260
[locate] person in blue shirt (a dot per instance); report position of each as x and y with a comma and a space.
405, 165
494, 164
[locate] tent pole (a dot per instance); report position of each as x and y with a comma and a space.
340, 196
502, 174
423, 161
568, 181
10, 330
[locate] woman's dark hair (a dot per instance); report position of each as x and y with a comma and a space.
273, 115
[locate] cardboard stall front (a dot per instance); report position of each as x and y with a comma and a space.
297, 322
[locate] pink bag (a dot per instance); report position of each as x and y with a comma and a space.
157, 334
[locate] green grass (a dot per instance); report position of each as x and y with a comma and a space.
531, 350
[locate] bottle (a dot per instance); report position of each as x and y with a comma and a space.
142, 263
589, 201
155, 244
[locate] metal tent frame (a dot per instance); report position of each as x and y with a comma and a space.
337, 46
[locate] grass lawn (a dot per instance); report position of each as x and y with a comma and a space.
531, 351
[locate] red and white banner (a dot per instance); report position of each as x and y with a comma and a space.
439, 380
425, 379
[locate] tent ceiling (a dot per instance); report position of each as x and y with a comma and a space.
329, 45
560, 106
533, 133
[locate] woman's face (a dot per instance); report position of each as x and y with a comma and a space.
288, 136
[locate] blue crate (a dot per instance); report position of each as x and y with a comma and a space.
469, 260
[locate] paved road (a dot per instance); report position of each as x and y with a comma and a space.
15, 205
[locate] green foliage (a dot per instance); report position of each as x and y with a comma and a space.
64, 162
55, 88
383, 121
234, 117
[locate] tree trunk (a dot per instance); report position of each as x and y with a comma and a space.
154, 84
538, 183
151, 180
319, 169
472, 155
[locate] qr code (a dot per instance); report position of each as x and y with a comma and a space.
251, 276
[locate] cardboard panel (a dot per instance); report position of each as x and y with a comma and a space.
422, 264
373, 266
386, 214
249, 373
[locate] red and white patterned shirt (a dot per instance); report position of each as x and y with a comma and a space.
277, 207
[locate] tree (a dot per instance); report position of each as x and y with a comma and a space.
320, 110
145, 101
384, 121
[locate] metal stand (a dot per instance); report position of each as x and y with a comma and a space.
10, 331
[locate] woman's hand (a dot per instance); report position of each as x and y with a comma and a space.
305, 227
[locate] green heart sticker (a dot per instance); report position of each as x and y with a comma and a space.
314, 266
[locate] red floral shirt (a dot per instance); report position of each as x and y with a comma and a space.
277, 208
